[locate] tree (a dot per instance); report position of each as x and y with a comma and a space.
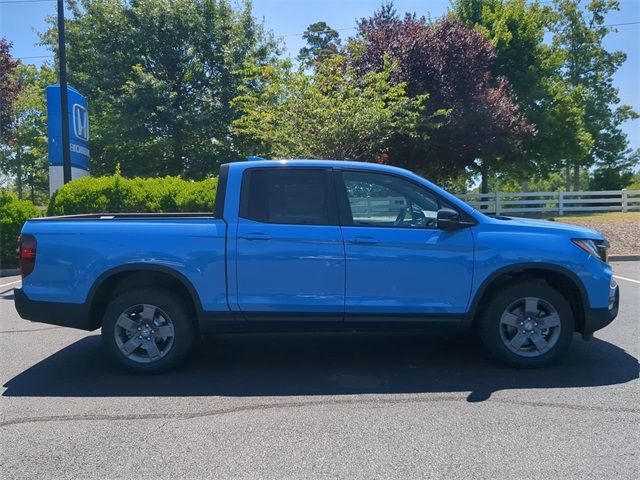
471, 119
25, 159
9, 89
323, 42
159, 76
333, 114
588, 70
618, 176
516, 30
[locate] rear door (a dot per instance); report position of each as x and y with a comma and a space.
398, 263
289, 253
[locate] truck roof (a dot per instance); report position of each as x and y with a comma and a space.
257, 162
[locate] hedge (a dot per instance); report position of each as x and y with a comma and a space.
117, 194
13, 214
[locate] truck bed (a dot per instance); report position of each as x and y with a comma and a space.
75, 251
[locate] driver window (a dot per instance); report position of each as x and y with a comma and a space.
380, 200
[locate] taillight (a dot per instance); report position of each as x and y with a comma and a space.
27, 254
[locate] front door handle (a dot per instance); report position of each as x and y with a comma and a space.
363, 240
256, 236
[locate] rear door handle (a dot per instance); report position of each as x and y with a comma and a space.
256, 236
363, 240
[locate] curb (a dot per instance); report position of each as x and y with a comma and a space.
624, 258
9, 272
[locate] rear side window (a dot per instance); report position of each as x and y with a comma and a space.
302, 196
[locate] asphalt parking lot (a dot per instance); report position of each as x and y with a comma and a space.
320, 406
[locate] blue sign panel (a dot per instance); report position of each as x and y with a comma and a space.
78, 127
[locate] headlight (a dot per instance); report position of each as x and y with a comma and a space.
597, 248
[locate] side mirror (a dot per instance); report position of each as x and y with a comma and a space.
449, 219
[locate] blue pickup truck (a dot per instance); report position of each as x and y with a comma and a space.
314, 245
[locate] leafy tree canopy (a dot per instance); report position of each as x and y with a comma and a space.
25, 158
9, 89
515, 90
322, 42
159, 76
469, 116
516, 30
334, 114
587, 71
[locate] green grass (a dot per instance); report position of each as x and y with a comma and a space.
601, 217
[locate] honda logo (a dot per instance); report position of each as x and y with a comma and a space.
80, 122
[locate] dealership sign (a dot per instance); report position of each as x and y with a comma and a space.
78, 135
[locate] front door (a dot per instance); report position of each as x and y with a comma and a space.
290, 254
398, 263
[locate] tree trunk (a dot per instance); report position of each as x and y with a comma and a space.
178, 152
567, 173
19, 182
32, 181
484, 183
576, 177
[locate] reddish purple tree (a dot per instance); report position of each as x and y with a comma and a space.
452, 64
9, 89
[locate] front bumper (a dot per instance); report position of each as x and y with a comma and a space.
73, 315
597, 318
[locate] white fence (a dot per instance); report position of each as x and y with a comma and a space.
558, 202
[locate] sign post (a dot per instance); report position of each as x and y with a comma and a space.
64, 101
78, 130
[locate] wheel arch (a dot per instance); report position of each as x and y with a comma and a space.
115, 280
562, 279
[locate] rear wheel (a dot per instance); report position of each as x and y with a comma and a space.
148, 331
527, 325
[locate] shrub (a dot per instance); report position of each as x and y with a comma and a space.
635, 183
198, 195
116, 194
610, 179
13, 214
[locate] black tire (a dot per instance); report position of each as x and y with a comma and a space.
171, 311
499, 336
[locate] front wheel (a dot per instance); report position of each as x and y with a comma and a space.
527, 325
148, 331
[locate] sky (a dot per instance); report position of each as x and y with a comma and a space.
21, 20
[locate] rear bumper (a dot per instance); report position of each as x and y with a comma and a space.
73, 315
597, 318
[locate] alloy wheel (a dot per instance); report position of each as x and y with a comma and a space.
144, 333
530, 327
